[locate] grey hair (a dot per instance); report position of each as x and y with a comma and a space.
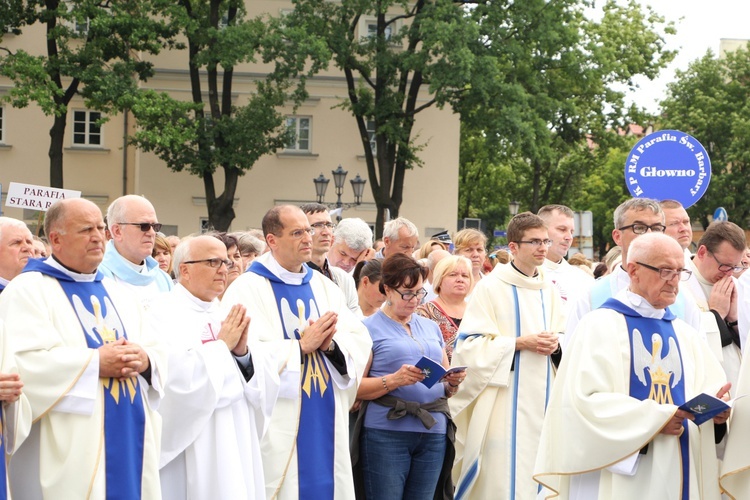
650, 243
181, 254
354, 233
116, 210
11, 222
392, 227
247, 243
636, 204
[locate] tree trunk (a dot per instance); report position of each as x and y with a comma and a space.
57, 137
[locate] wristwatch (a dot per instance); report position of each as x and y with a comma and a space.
331, 347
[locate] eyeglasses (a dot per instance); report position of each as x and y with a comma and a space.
407, 296
669, 274
725, 268
641, 228
214, 263
299, 233
321, 225
145, 226
536, 242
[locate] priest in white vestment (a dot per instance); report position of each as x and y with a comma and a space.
320, 350
91, 371
508, 339
613, 429
219, 394
735, 468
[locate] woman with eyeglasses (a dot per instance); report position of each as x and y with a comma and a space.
403, 430
452, 281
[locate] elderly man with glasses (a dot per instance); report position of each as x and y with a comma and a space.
320, 350
133, 226
508, 339
714, 289
633, 218
227, 389
613, 427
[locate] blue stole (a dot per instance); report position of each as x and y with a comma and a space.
656, 371
124, 416
317, 420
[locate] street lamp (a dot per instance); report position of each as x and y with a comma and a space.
339, 178
513, 206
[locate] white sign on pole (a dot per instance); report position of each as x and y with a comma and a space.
583, 233
34, 197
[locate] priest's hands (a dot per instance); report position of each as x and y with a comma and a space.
122, 359
234, 330
544, 343
674, 425
319, 333
10, 387
723, 394
723, 298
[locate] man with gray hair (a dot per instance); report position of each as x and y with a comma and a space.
133, 225
16, 247
632, 218
351, 239
399, 236
227, 388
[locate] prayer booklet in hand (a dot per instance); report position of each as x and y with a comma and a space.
434, 371
704, 407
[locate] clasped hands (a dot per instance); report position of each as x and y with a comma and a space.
319, 333
544, 343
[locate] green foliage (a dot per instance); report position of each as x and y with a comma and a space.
711, 102
93, 49
557, 95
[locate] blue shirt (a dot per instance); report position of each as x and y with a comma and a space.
392, 347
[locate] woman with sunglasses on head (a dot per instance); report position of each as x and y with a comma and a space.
404, 454
367, 275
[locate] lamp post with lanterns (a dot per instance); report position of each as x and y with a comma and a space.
339, 178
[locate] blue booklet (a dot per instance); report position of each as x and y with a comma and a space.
434, 371
704, 407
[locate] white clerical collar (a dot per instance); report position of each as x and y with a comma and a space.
50, 261
282, 273
200, 305
639, 304
4, 282
139, 268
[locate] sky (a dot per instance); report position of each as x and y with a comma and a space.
700, 24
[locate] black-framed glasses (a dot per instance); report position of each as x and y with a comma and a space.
725, 268
537, 242
214, 263
144, 226
321, 225
641, 228
669, 274
407, 296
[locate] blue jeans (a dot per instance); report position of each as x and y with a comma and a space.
400, 465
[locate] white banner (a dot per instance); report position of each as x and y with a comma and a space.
34, 197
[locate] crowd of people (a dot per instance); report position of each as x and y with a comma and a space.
305, 360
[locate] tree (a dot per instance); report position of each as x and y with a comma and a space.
392, 53
92, 49
214, 133
558, 100
711, 102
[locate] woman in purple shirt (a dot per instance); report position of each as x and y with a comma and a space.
403, 438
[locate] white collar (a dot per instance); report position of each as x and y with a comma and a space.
639, 304
76, 276
280, 272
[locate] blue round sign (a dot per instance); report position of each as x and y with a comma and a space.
668, 164
720, 214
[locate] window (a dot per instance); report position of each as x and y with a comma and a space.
2, 125
81, 27
86, 130
372, 30
300, 126
370, 124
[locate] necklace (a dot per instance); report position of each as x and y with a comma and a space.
408, 331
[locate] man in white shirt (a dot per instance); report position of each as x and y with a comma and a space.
569, 280
227, 390
678, 225
352, 240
